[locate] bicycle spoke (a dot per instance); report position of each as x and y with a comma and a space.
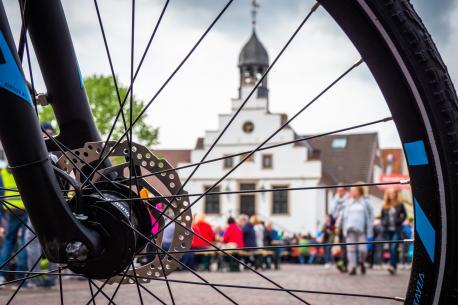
372, 296
116, 289
167, 283
135, 172
225, 252
291, 38
136, 282
99, 290
25, 14
179, 262
65, 150
340, 77
144, 288
273, 247
9, 189
73, 163
36, 109
384, 120
137, 70
171, 76
23, 281
113, 74
61, 291
92, 292
132, 167
6, 204
16, 253
34, 274
282, 189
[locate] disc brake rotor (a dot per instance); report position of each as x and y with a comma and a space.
164, 184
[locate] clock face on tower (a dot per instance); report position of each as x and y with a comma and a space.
248, 127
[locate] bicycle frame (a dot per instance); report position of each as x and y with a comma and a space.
25, 147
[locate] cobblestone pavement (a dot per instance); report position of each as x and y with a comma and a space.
290, 276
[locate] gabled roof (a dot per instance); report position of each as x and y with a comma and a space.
349, 164
174, 156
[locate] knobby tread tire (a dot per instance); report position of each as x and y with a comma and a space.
424, 62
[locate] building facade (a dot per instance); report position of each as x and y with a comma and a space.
322, 161
287, 166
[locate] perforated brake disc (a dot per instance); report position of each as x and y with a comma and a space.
167, 182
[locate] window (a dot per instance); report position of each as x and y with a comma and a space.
212, 205
267, 161
280, 200
250, 159
248, 127
339, 143
247, 200
228, 163
389, 164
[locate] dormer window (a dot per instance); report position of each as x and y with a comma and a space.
339, 143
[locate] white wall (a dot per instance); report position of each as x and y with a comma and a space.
290, 167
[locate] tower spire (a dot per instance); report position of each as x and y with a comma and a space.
254, 11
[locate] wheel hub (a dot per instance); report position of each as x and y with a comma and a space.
124, 223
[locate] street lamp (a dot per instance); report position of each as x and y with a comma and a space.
227, 190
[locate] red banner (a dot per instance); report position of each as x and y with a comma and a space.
394, 178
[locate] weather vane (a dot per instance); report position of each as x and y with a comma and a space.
254, 12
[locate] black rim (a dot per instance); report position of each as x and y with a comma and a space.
408, 116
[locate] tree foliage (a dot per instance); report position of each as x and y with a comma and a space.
104, 104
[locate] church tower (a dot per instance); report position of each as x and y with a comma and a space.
253, 62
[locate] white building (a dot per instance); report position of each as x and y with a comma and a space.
283, 167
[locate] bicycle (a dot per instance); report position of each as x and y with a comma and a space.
77, 204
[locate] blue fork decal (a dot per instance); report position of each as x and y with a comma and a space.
11, 78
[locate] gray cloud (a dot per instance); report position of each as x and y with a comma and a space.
437, 16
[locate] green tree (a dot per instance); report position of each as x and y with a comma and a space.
104, 105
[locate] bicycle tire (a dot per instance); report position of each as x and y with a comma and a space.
404, 42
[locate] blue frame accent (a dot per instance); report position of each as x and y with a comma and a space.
11, 77
425, 230
80, 75
416, 153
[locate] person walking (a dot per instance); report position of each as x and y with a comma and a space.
15, 227
304, 252
356, 225
203, 229
249, 236
233, 237
258, 227
272, 238
326, 238
338, 202
393, 215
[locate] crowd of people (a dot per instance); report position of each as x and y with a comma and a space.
351, 238
250, 240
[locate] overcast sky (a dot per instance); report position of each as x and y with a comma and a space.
207, 82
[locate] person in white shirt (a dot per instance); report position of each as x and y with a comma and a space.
356, 225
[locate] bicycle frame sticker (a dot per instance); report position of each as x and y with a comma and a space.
416, 153
11, 78
425, 230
